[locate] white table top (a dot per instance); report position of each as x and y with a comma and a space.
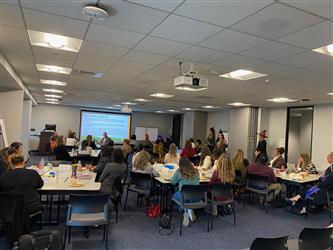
298, 178
62, 179
94, 153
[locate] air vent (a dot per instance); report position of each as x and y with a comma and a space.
79, 72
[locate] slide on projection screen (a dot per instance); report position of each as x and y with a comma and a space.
117, 125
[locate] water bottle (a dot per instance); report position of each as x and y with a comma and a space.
79, 166
41, 163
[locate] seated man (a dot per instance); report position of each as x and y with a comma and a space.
329, 161
260, 168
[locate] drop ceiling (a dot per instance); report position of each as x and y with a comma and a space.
139, 46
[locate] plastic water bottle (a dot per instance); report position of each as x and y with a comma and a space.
41, 163
79, 166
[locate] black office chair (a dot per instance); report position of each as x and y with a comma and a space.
86, 211
192, 192
239, 184
195, 160
117, 190
315, 238
330, 204
129, 168
279, 243
222, 195
257, 184
139, 183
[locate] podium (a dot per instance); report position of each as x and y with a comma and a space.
44, 142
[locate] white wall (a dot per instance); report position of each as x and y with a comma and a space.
26, 125
294, 146
200, 125
11, 110
322, 140
218, 120
187, 127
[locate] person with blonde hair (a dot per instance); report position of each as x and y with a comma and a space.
141, 164
225, 172
304, 163
172, 157
239, 162
126, 148
206, 158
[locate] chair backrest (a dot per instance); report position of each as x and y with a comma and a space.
141, 181
257, 181
315, 238
224, 191
330, 199
279, 243
194, 192
129, 162
238, 176
117, 188
88, 204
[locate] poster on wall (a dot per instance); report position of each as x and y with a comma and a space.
3, 134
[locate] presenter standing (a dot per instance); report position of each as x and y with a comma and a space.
105, 140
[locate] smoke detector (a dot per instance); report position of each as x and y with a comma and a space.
94, 12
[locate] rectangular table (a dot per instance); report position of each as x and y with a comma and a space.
94, 153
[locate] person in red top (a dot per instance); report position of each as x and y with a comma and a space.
260, 168
188, 151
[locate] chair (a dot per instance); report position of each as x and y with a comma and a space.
129, 168
330, 203
279, 243
86, 211
192, 192
139, 183
195, 160
224, 191
117, 194
259, 185
239, 183
315, 238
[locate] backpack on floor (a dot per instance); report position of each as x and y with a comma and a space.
40, 240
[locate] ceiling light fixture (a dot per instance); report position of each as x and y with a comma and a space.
188, 109
159, 111
161, 95
51, 99
53, 82
53, 69
242, 74
281, 100
52, 102
191, 89
94, 12
209, 107
327, 50
141, 100
52, 96
330, 93
49, 40
129, 103
54, 91
238, 104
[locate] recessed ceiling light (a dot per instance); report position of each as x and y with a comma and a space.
52, 102
53, 82
54, 41
191, 89
188, 109
141, 100
53, 90
116, 105
243, 74
209, 107
172, 110
327, 50
51, 99
330, 93
238, 104
159, 111
161, 95
94, 12
281, 100
52, 96
129, 103
53, 68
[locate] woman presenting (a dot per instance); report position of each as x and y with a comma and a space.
262, 145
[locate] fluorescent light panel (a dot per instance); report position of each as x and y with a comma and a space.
330, 93
191, 89
129, 103
238, 104
53, 69
52, 96
209, 107
327, 50
53, 82
242, 74
188, 109
51, 99
159, 111
161, 95
281, 100
53, 90
54, 41
141, 100
172, 110
52, 102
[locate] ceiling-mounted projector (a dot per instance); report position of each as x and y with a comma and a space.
190, 81
126, 109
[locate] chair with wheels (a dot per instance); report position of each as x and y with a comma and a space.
257, 184
315, 238
222, 195
279, 243
86, 211
196, 193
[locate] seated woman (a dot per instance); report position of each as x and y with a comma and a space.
61, 152
22, 181
126, 148
172, 157
84, 149
141, 164
5, 164
91, 142
112, 171
185, 175
239, 162
106, 153
206, 158
188, 151
278, 160
304, 164
198, 146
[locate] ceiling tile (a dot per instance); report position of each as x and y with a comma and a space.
14, 33
131, 17
51, 60
161, 46
321, 8
184, 30
112, 36
129, 68
239, 62
54, 24
146, 58
272, 51
232, 41
98, 49
165, 5
55, 54
151, 78
202, 55
93, 63
313, 37
276, 21
223, 13
11, 15
173, 64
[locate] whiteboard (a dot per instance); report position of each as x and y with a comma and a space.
3, 135
153, 133
141, 131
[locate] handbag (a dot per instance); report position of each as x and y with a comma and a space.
154, 210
